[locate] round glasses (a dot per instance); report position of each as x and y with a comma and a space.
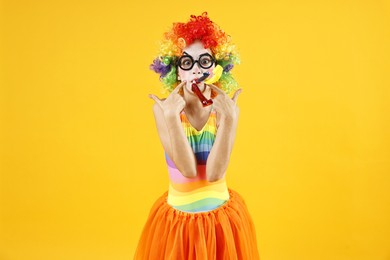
186, 62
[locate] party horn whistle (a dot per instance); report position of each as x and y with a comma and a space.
205, 102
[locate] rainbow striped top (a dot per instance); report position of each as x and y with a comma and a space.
196, 194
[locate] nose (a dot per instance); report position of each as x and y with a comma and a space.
197, 70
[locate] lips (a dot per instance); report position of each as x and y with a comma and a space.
193, 79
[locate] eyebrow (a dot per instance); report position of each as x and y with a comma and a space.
199, 55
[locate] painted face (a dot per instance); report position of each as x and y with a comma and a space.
201, 61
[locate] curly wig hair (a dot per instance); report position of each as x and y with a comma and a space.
183, 34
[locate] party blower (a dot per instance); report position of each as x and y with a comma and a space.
216, 74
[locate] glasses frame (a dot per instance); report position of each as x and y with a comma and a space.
196, 61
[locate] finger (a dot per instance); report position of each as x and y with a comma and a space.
217, 89
176, 90
235, 96
155, 98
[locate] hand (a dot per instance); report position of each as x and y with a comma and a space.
225, 106
173, 104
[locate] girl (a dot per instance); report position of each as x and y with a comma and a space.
199, 217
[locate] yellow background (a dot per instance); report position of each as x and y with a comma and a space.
81, 162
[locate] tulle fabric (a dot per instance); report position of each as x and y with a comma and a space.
227, 232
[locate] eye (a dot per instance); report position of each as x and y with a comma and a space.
205, 61
186, 62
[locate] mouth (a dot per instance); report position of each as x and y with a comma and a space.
199, 81
199, 78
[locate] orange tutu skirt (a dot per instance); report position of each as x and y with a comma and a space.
226, 232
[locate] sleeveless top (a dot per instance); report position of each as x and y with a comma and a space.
196, 194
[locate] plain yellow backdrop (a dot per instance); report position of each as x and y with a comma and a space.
81, 163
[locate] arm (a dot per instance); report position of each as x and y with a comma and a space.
219, 157
175, 142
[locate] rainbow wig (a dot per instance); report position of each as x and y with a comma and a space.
183, 34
